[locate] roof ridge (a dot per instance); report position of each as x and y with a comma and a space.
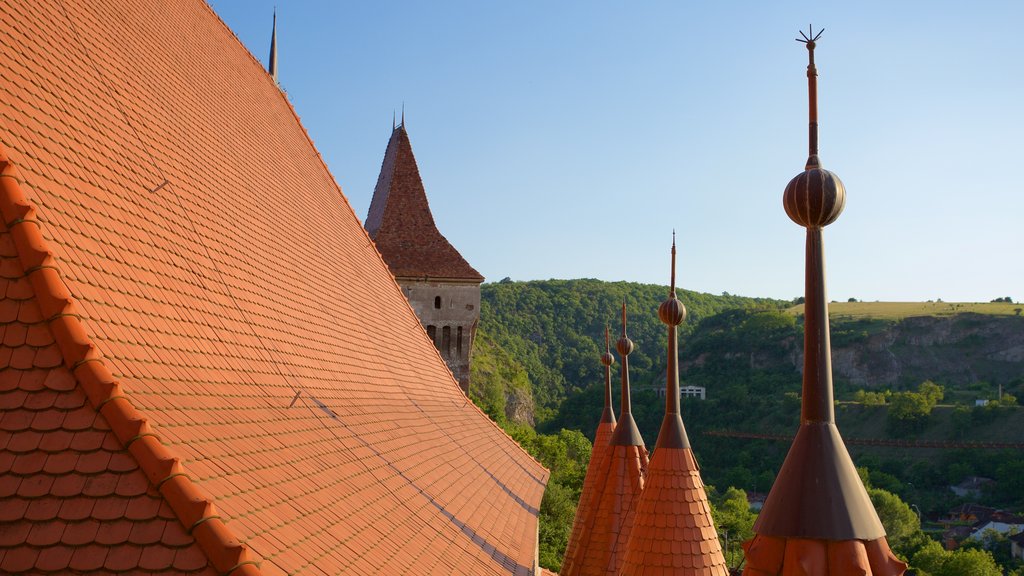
194, 509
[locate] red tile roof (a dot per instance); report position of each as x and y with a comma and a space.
401, 225
673, 532
217, 304
71, 496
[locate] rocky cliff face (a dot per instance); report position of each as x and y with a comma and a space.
955, 350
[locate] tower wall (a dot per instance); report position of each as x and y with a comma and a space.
449, 312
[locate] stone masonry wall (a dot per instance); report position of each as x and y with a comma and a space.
449, 312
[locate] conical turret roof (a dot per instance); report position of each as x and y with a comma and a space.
673, 532
585, 510
401, 225
620, 474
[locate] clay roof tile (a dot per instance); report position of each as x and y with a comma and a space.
151, 236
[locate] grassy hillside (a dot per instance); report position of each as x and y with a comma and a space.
900, 310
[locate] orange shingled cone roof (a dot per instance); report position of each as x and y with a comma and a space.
401, 224
585, 510
620, 480
673, 532
817, 519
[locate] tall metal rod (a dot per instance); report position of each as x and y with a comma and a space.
626, 405
672, 378
817, 405
606, 360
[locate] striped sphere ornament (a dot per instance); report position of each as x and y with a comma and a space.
815, 197
672, 312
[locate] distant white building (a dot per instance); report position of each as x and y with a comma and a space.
685, 392
692, 392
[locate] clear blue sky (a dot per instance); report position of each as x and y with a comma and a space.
568, 139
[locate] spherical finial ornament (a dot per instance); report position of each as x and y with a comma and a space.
815, 197
607, 359
624, 346
672, 312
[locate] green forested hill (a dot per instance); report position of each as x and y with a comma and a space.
536, 362
536, 370
554, 330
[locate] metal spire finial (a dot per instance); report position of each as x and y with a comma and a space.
672, 289
403, 114
272, 61
810, 40
626, 432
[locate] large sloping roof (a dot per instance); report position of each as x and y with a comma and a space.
400, 222
217, 302
71, 496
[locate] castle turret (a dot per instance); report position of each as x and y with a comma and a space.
585, 509
818, 518
441, 286
673, 533
620, 480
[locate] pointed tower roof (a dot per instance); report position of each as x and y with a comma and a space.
673, 531
585, 510
620, 477
818, 518
400, 222
272, 61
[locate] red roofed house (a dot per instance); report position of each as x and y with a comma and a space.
205, 365
441, 286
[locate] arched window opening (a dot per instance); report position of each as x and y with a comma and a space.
432, 333
437, 302
446, 340
458, 342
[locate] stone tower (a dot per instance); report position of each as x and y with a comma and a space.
441, 286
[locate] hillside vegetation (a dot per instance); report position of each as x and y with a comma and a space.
536, 371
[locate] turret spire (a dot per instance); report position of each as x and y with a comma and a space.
673, 532
809, 40
818, 518
599, 544
272, 62
672, 313
607, 360
626, 432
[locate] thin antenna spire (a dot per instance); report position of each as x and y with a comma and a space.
607, 360
672, 313
672, 289
626, 432
403, 113
272, 62
625, 346
810, 40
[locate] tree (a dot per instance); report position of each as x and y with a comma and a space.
901, 523
732, 513
932, 392
933, 560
